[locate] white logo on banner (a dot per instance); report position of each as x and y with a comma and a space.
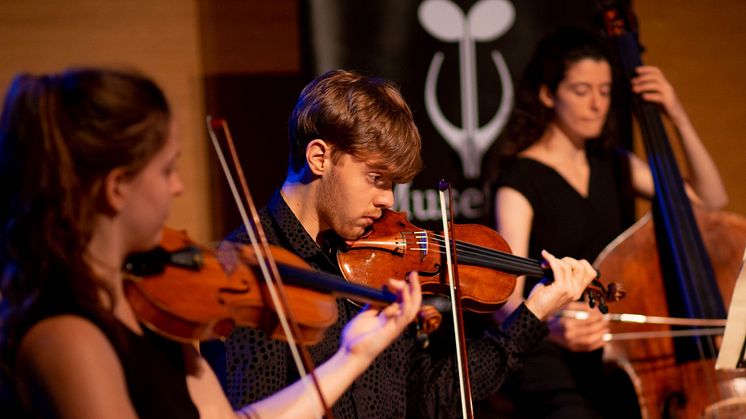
486, 21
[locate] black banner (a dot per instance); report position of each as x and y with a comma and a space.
457, 63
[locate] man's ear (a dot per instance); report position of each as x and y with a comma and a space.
115, 190
318, 156
546, 97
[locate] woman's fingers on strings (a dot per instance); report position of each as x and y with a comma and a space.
648, 71
653, 86
650, 81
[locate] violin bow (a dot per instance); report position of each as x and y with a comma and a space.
274, 286
454, 285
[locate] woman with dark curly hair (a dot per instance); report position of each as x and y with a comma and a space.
88, 168
562, 187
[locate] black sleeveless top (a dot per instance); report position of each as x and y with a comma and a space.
564, 222
153, 367
156, 376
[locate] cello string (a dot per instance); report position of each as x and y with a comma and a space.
673, 197
666, 183
687, 254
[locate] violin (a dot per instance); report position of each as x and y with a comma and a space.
487, 269
182, 291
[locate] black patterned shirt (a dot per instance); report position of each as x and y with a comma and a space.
405, 381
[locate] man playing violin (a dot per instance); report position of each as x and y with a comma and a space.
352, 138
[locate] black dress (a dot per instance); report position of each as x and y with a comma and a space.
153, 367
404, 381
555, 382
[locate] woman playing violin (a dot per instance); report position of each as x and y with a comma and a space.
88, 167
352, 138
562, 188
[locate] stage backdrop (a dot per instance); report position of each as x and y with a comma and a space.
457, 64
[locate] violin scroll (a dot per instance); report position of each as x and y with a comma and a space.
598, 294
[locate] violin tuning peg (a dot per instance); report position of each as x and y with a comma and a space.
616, 292
602, 307
420, 336
591, 300
422, 339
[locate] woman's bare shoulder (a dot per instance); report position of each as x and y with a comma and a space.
67, 365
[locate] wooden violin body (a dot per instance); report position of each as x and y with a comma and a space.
195, 299
395, 247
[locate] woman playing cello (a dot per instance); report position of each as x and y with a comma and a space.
562, 188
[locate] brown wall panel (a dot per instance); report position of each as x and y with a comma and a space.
700, 45
159, 38
240, 36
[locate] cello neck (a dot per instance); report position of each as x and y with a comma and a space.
689, 278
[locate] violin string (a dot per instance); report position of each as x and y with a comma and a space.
486, 253
666, 190
496, 257
492, 258
492, 254
529, 265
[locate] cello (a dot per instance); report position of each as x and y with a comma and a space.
684, 262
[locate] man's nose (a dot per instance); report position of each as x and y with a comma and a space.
384, 199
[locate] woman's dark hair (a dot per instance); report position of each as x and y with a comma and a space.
60, 135
554, 55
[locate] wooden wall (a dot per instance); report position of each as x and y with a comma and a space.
159, 38
700, 46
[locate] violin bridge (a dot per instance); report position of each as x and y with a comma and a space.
421, 243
